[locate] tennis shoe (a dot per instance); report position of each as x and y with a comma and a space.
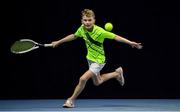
120, 77
68, 104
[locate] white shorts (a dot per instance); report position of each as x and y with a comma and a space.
95, 67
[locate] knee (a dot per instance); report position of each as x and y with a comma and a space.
82, 80
96, 84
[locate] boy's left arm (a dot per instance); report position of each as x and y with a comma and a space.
131, 43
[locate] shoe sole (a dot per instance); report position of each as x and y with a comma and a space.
65, 106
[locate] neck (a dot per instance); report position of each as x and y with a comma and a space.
90, 29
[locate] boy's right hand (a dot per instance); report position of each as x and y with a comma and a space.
54, 44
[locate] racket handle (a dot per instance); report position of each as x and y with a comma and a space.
47, 45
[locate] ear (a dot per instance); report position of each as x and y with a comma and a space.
82, 21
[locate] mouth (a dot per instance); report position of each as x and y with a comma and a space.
88, 26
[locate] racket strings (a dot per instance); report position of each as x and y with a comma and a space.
20, 46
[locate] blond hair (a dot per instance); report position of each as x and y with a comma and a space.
88, 13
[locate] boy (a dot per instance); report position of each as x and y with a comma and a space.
94, 37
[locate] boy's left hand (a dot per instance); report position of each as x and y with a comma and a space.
136, 45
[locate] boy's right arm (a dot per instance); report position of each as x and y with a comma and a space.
65, 39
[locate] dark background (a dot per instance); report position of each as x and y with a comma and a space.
53, 73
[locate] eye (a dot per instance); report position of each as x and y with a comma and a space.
85, 20
90, 20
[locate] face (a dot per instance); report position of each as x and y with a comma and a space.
88, 22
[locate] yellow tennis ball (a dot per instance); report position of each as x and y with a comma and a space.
108, 26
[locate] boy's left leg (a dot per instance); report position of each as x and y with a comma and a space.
118, 74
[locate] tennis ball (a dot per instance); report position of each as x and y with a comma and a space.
108, 26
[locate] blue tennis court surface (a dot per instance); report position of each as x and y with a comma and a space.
92, 105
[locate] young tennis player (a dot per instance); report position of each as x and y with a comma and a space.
94, 37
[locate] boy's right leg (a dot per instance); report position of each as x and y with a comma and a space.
82, 82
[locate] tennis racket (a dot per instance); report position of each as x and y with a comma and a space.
26, 45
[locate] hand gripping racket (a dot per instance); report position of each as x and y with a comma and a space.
26, 45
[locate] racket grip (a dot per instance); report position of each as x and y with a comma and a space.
48, 45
